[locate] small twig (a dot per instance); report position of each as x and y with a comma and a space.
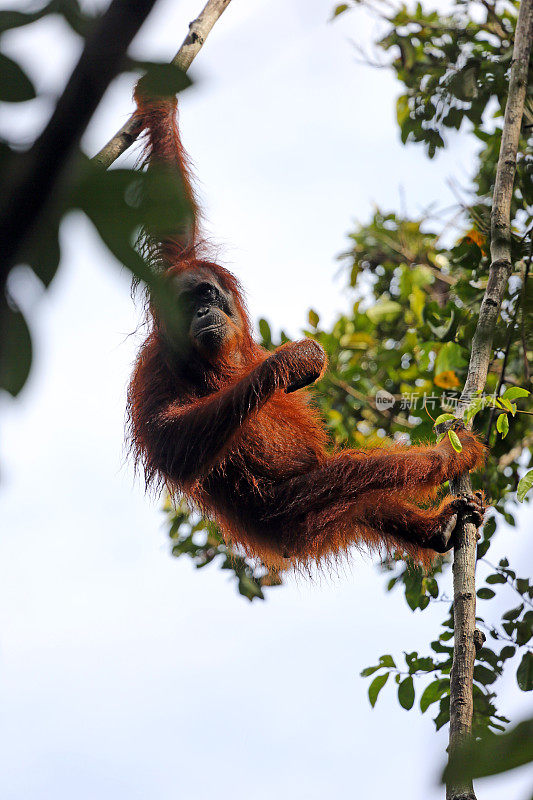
491, 14
441, 276
192, 44
501, 636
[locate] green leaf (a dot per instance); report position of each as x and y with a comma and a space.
524, 486
387, 661
402, 109
266, 333
313, 318
376, 686
487, 654
483, 548
454, 439
507, 652
15, 86
384, 310
485, 594
162, 79
249, 587
503, 403
444, 713
413, 589
484, 675
80, 22
16, 350
340, 9
10, 19
476, 405
514, 392
119, 203
438, 647
514, 612
42, 250
425, 664
433, 692
491, 756
369, 671
450, 359
496, 577
406, 693
502, 425
509, 627
524, 630
524, 673
443, 418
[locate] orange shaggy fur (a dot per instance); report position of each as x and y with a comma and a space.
223, 430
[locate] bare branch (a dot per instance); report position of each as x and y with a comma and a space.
192, 44
462, 675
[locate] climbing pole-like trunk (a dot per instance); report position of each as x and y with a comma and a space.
464, 583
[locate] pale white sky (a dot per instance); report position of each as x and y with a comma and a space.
125, 673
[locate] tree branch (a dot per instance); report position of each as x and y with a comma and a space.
192, 44
462, 675
35, 174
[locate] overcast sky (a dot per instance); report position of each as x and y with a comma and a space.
123, 672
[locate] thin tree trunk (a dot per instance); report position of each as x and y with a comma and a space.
464, 586
36, 173
192, 44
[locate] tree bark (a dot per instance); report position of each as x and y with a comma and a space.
464, 586
192, 44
